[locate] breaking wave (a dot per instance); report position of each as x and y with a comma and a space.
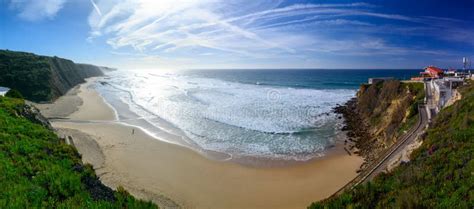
231, 117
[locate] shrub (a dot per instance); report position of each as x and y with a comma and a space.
12, 93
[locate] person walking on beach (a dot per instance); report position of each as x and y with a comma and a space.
133, 131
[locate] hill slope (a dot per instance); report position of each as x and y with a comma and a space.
39, 170
379, 115
42, 78
439, 175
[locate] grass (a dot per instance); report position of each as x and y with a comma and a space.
419, 92
39, 170
439, 175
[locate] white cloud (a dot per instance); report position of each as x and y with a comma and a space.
35, 10
170, 25
188, 29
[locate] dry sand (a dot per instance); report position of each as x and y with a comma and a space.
153, 169
79, 103
93, 106
63, 106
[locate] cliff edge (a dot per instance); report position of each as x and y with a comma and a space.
40, 170
439, 174
42, 78
379, 114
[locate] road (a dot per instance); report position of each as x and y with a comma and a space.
381, 164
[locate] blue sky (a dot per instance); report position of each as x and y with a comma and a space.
176, 34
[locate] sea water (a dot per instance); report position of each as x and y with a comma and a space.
271, 114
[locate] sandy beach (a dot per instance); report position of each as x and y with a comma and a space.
152, 169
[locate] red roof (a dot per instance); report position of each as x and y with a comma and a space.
433, 69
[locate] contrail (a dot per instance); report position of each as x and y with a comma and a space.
96, 8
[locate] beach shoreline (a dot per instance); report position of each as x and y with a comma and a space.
156, 170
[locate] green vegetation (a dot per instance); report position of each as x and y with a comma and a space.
12, 93
28, 73
418, 90
39, 170
439, 175
41, 78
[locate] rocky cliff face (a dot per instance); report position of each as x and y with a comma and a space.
380, 113
385, 106
34, 115
66, 74
42, 78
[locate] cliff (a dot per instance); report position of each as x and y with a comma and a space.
380, 113
386, 106
42, 78
40, 170
439, 173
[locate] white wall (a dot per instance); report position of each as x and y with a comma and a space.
3, 91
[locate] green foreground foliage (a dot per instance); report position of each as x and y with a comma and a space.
39, 170
12, 93
26, 72
439, 175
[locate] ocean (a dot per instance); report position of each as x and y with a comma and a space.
268, 114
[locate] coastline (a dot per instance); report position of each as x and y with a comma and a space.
152, 169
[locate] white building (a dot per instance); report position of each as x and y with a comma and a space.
444, 90
3, 90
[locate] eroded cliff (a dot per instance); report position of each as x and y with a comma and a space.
380, 113
42, 78
439, 173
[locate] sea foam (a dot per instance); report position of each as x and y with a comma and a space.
231, 117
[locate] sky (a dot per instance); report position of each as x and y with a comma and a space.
223, 34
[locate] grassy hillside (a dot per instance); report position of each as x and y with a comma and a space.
38, 170
41, 78
439, 175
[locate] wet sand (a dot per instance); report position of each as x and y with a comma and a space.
153, 169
